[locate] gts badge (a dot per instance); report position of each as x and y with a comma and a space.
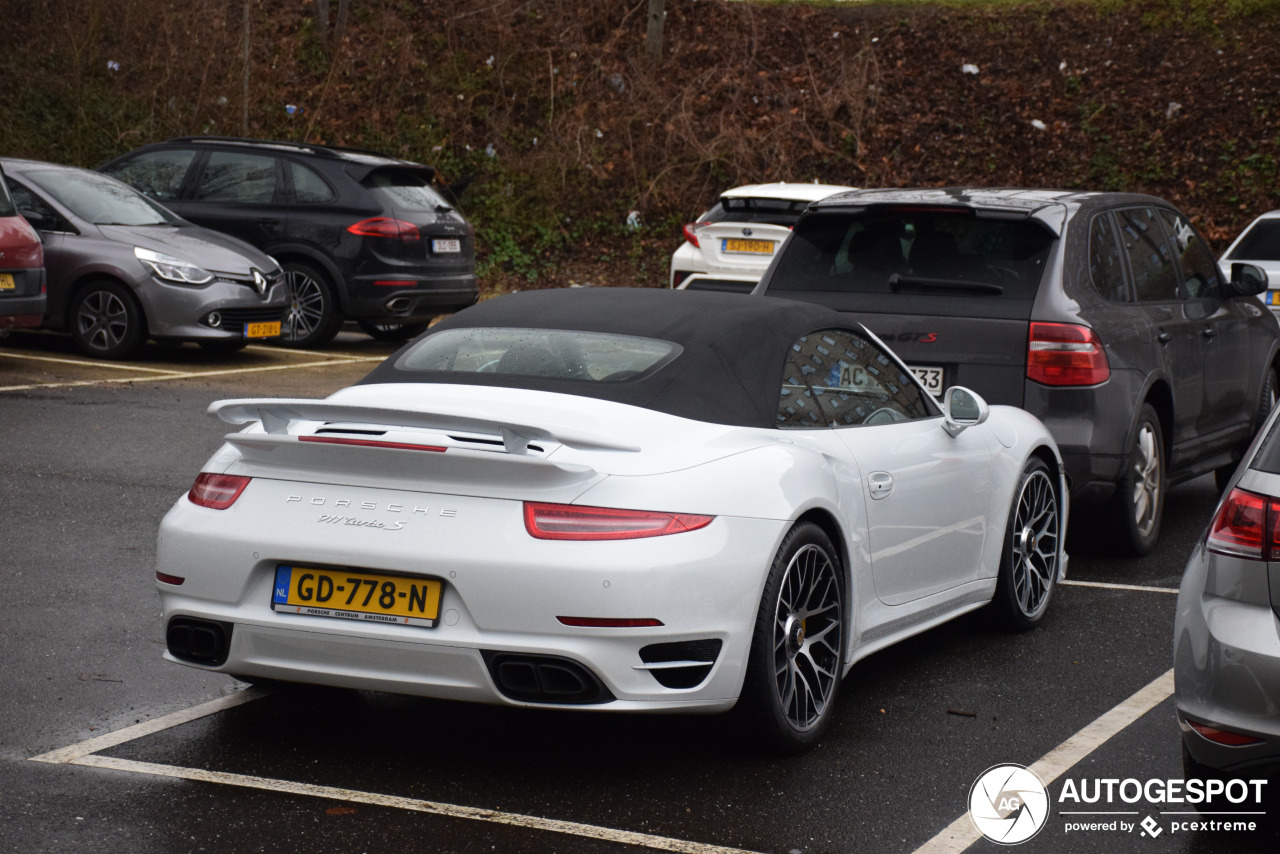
914, 337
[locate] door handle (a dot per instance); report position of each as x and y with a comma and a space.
1163, 337
1208, 332
880, 483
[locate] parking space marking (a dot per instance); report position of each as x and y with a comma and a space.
1107, 586
86, 753
187, 375
962, 832
86, 363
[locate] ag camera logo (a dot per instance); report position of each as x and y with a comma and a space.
1009, 804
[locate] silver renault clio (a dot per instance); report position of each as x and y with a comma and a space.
1227, 628
122, 268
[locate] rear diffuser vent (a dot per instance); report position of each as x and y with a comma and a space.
683, 664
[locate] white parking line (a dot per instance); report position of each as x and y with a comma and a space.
187, 375
85, 362
1105, 586
85, 753
962, 832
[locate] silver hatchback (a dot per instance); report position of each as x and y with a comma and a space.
1227, 628
121, 268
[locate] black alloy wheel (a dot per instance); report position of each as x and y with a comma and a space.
1029, 562
312, 319
106, 321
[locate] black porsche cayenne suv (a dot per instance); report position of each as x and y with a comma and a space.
360, 235
1103, 314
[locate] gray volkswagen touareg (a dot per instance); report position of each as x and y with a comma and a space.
1103, 314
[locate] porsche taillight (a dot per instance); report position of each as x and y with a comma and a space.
383, 226
570, 522
217, 491
1246, 525
1066, 354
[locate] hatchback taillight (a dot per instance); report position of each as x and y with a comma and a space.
1247, 525
217, 491
382, 226
691, 235
569, 522
1064, 354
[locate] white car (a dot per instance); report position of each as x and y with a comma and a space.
1258, 244
613, 499
729, 246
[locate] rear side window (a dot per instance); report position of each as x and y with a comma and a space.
547, 353
1106, 267
405, 189
235, 177
768, 211
29, 201
1200, 277
157, 174
7, 207
308, 187
912, 251
837, 377
1260, 243
1154, 279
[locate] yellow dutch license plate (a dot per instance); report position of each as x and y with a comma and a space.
262, 330
356, 596
7, 283
749, 247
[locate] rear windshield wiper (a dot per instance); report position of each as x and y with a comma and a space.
898, 282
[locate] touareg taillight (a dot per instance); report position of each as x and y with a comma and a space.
1066, 354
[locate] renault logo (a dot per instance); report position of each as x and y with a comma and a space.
260, 282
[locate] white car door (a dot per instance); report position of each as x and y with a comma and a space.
927, 494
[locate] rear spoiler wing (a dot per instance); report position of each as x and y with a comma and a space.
276, 414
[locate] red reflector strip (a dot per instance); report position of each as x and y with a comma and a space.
217, 491
175, 580
370, 443
1222, 736
570, 522
610, 623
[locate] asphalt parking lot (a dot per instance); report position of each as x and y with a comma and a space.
105, 747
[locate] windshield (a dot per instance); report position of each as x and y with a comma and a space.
1260, 243
548, 353
99, 199
913, 250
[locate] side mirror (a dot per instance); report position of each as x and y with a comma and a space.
962, 408
36, 220
1248, 280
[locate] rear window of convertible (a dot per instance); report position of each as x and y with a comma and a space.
548, 353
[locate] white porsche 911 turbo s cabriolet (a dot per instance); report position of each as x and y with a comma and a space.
617, 499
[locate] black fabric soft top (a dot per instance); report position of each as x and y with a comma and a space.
729, 370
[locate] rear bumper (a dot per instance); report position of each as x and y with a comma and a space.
420, 299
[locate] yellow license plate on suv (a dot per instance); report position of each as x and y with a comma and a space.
356, 596
262, 330
748, 247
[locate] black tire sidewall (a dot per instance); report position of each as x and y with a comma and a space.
1130, 538
135, 331
1005, 601
330, 317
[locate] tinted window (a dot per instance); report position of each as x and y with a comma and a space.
1105, 265
235, 177
769, 211
405, 189
1154, 279
99, 199
7, 207
157, 173
1200, 277
550, 353
308, 187
837, 377
26, 200
1260, 243
939, 253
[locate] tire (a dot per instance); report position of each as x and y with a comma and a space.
797, 648
1029, 562
106, 321
313, 317
391, 331
1138, 506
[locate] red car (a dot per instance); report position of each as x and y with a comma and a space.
22, 289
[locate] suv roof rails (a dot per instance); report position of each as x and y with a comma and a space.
334, 151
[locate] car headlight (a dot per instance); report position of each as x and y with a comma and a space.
172, 269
